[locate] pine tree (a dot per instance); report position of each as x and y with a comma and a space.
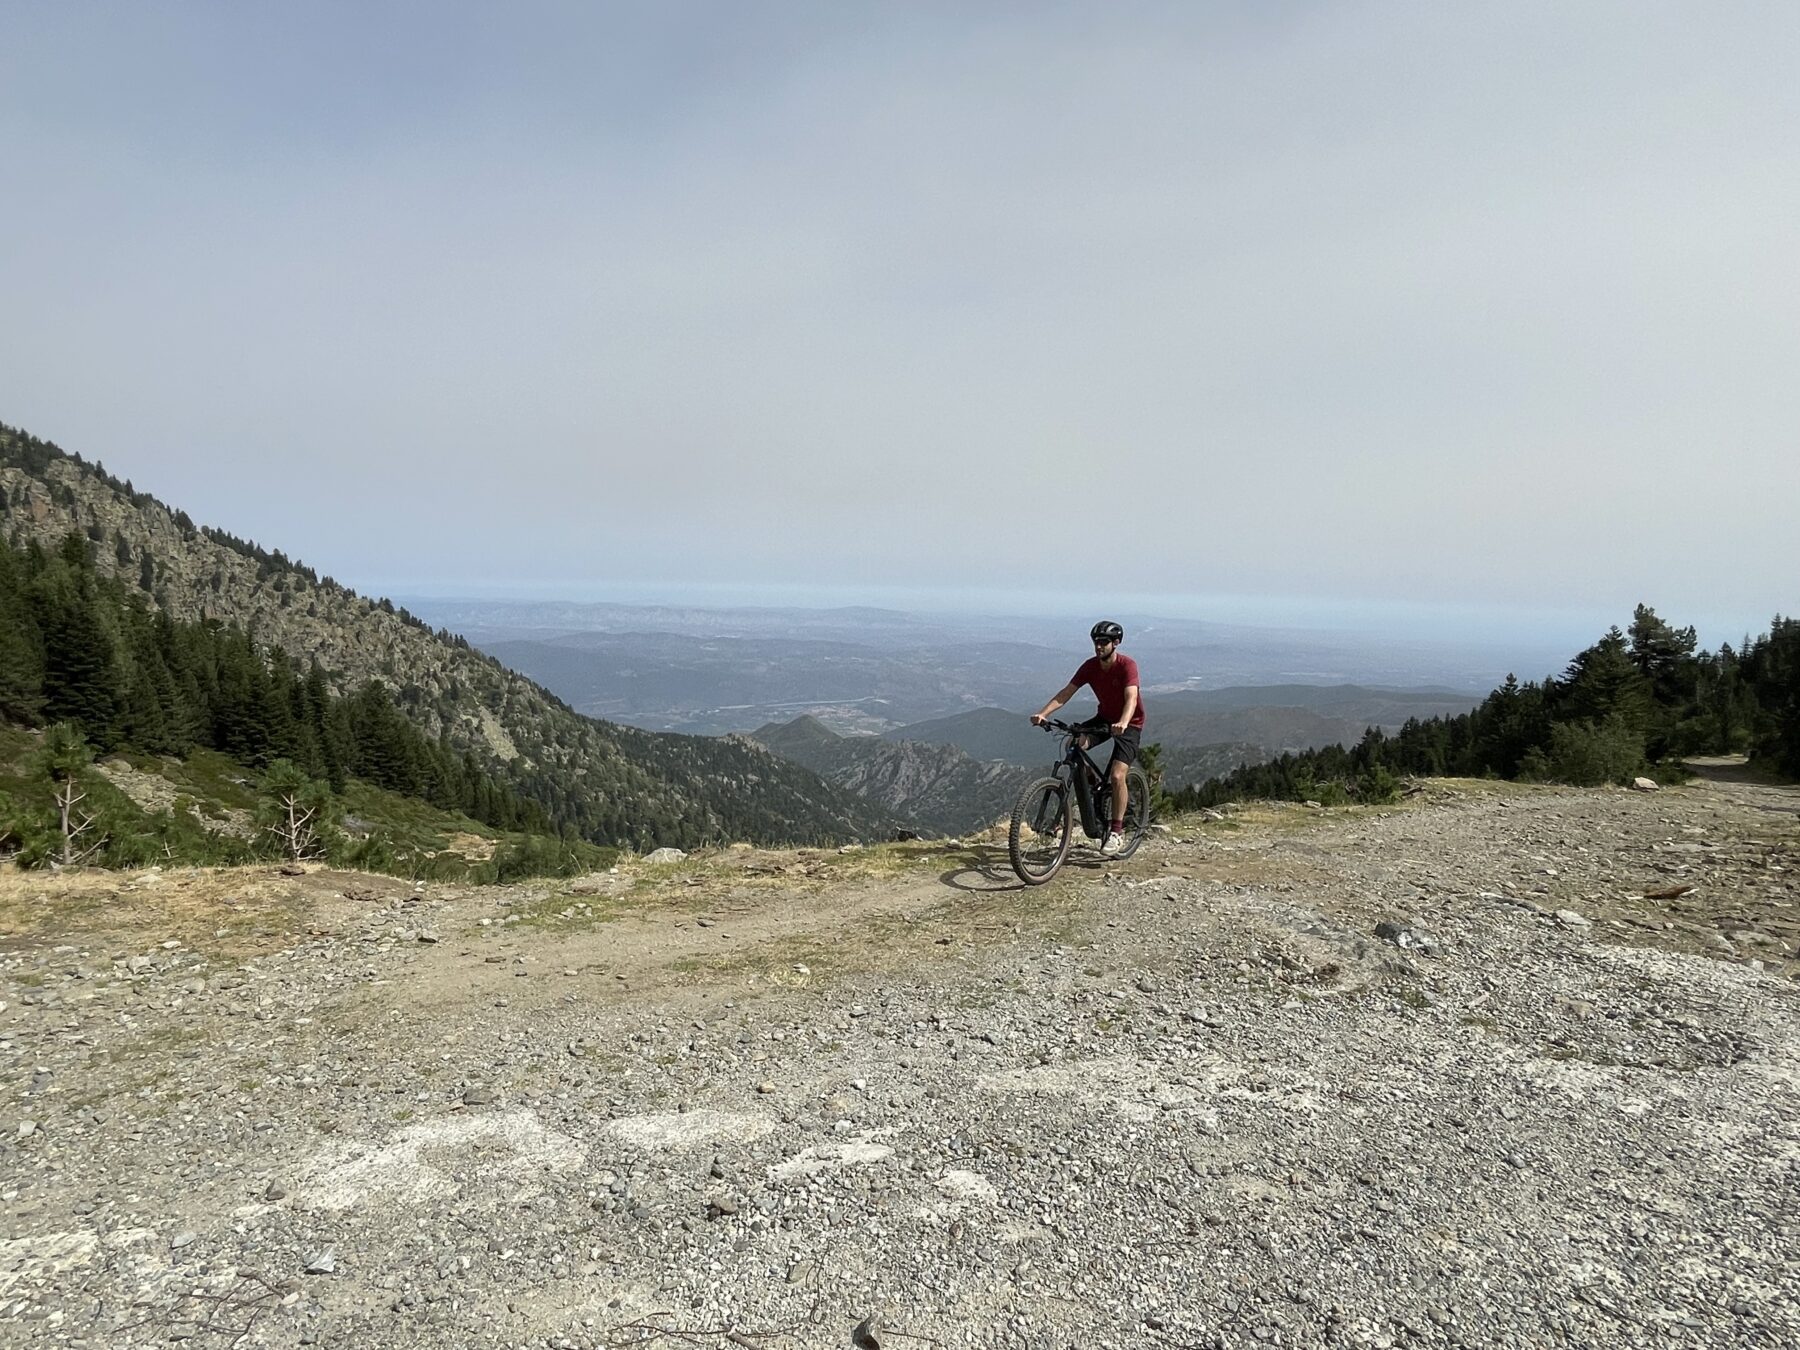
81, 679
21, 646
1772, 668
1604, 682
1664, 656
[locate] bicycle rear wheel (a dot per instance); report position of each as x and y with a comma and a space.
1042, 823
1137, 810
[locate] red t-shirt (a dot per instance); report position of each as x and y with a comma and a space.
1109, 686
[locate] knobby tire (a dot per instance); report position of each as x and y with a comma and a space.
1042, 831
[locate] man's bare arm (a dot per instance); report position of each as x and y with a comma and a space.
1057, 699
1131, 702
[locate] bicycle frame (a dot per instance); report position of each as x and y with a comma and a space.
1083, 775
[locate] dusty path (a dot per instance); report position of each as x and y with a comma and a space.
1190, 1100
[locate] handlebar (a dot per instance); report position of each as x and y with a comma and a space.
1100, 734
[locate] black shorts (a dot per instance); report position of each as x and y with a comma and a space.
1125, 743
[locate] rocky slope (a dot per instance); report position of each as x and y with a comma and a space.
936, 789
640, 787
1504, 1066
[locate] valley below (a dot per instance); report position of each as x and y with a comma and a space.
1498, 1066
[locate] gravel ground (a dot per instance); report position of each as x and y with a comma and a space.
1499, 1067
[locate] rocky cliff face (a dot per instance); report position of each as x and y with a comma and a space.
194, 575
644, 788
934, 788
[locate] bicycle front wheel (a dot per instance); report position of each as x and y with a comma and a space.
1042, 826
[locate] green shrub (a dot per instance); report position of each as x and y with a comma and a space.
1376, 785
1328, 793
1587, 754
371, 853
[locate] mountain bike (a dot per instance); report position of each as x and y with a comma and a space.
1043, 822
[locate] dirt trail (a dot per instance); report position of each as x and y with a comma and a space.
1499, 1066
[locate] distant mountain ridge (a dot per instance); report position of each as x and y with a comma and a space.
613, 784
1207, 732
936, 789
716, 684
712, 671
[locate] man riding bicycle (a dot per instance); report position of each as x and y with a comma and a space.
1113, 676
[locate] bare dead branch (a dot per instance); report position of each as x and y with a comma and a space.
230, 1317
294, 831
648, 1331
75, 824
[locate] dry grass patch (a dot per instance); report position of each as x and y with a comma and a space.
564, 910
229, 912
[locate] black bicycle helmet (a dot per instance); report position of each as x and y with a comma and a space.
1107, 631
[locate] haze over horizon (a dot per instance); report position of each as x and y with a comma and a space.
1390, 317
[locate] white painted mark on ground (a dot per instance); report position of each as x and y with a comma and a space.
957, 1184
512, 1144
687, 1129
1124, 1084
824, 1157
44, 1257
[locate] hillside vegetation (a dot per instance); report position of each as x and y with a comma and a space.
597, 782
187, 714
1634, 702
1207, 732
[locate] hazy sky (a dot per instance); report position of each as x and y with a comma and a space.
1398, 308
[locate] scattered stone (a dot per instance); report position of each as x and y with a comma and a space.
1406, 936
1237, 1073
1643, 784
1568, 918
